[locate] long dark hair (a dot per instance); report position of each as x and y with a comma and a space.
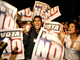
77, 27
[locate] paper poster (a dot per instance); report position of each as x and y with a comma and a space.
47, 47
8, 8
44, 10
40, 8
25, 14
6, 21
55, 26
52, 14
41, 5
15, 41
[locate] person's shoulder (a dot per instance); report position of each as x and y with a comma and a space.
78, 38
67, 36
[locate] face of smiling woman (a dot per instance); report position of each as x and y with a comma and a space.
72, 29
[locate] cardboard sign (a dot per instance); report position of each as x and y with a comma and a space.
48, 47
8, 8
52, 14
6, 22
40, 8
26, 14
47, 14
55, 26
42, 5
15, 41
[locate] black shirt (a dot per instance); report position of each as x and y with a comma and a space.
28, 41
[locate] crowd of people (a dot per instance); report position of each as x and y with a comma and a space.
69, 37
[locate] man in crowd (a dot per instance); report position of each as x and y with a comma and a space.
30, 36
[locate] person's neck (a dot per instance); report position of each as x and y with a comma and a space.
72, 36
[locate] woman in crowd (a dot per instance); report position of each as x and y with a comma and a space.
72, 42
27, 27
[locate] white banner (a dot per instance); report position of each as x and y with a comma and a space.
6, 22
48, 47
15, 41
8, 8
25, 14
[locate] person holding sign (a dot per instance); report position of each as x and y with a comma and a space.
29, 38
27, 27
72, 51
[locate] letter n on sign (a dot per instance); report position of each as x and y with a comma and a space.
42, 48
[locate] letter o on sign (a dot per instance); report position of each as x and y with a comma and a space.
17, 43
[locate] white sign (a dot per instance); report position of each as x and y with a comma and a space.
47, 14
6, 22
55, 26
15, 41
48, 47
52, 14
8, 8
40, 8
26, 14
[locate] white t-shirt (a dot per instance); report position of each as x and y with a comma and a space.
74, 52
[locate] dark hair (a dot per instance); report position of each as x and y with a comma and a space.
76, 27
37, 17
28, 21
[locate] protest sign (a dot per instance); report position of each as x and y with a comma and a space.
15, 41
6, 21
45, 12
55, 26
52, 14
41, 5
47, 47
25, 14
8, 8
40, 8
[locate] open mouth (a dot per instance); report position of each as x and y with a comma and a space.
69, 30
37, 25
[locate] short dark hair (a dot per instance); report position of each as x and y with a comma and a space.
37, 16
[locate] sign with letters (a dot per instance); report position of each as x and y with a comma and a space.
47, 47
45, 11
6, 21
55, 26
8, 8
52, 14
41, 5
40, 8
25, 14
15, 41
